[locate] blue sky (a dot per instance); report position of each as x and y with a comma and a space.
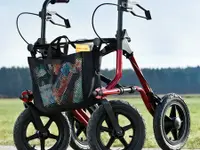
171, 39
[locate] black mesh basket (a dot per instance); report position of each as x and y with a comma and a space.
64, 83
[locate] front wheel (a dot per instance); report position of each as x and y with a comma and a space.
102, 136
171, 123
27, 137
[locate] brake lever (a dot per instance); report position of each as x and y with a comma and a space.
56, 23
138, 15
127, 5
147, 12
49, 18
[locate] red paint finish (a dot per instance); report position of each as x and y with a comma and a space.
138, 72
61, 1
146, 89
26, 96
83, 118
106, 92
145, 99
118, 70
80, 117
83, 113
111, 92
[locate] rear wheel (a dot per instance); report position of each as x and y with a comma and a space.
78, 130
27, 137
102, 136
171, 122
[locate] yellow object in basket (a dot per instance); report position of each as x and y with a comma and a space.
82, 48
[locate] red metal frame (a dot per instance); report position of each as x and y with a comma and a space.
81, 116
110, 90
146, 89
118, 70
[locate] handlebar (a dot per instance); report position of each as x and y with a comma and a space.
59, 1
106, 40
43, 14
37, 47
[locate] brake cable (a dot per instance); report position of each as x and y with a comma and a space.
17, 24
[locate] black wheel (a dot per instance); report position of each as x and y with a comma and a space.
78, 131
171, 123
26, 137
101, 135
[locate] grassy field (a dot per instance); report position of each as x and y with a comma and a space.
11, 108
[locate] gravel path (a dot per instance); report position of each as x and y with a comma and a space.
13, 148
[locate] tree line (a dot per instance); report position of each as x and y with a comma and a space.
179, 80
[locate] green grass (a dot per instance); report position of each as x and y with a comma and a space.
9, 111
11, 108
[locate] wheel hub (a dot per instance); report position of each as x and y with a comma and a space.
114, 134
177, 123
43, 135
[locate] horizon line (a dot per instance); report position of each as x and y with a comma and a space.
186, 67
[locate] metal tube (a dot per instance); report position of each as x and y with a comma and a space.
146, 100
120, 25
43, 17
80, 117
119, 48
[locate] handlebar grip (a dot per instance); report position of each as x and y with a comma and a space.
59, 1
148, 15
62, 1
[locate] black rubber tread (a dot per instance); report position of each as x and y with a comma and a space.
166, 100
24, 117
116, 104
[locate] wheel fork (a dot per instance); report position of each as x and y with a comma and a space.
112, 118
36, 118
